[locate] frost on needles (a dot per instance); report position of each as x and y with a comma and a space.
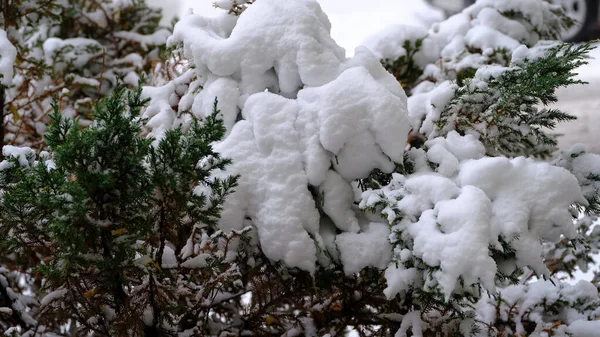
414, 189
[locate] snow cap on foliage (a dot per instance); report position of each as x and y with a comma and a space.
282, 46
584, 165
389, 44
272, 190
454, 229
333, 120
482, 26
571, 303
75, 51
23, 155
8, 54
283, 41
282, 146
465, 207
370, 248
483, 34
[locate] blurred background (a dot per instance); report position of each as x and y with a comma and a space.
353, 20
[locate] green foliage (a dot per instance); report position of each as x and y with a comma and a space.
552, 30
404, 68
105, 208
504, 110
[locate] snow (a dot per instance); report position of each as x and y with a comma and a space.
486, 38
425, 108
357, 119
583, 328
159, 112
56, 294
169, 260
323, 121
452, 230
337, 195
198, 261
155, 39
583, 165
467, 204
411, 320
388, 43
303, 122
541, 208
526, 302
479, 36
273, 190
8, 54
256, 46
77, 51
284, 145
370, 248
226, 91
24, 155
399, 279
353, 20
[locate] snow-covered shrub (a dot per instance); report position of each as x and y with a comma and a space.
75, 50
354, 206
300, 133
437, 229
485, 72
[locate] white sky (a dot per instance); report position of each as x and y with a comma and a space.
352, 20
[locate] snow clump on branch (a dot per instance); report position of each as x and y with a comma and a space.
323, 122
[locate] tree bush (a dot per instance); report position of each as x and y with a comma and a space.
346, 204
